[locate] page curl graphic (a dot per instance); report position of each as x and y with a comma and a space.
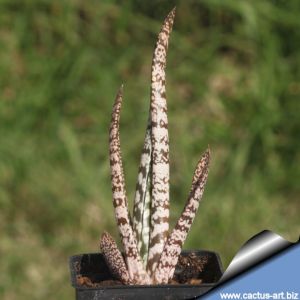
260, 247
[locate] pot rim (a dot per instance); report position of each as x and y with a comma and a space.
173, 286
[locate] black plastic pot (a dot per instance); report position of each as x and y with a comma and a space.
93, 266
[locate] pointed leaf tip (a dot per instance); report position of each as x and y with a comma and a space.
171, 16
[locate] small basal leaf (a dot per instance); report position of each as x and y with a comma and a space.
114, 258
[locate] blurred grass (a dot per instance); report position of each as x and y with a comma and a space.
233, 82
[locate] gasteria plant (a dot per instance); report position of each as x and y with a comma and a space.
150, 252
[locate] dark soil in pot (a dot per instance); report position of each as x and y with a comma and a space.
196, 273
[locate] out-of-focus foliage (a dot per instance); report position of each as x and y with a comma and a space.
233, 82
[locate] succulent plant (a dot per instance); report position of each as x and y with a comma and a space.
150, 251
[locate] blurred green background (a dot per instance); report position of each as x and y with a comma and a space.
233, 82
